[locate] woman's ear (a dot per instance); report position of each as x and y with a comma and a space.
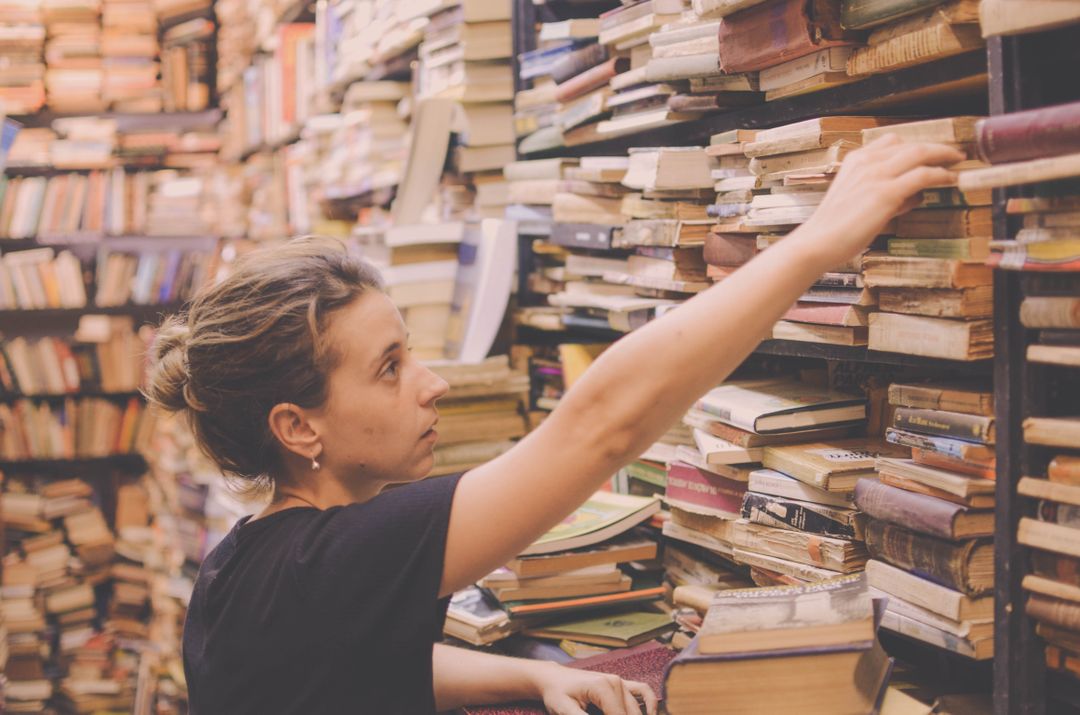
289, 423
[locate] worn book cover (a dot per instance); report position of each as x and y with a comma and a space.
834, 465
781, 406
955, 425
785, 513
967, 566
603, 516
822, 552
922, 513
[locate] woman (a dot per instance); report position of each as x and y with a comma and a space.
296, 376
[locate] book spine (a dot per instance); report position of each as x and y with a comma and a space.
1034, 134
800, 516
582, 235
578, 61
862, 14
590, 79
1062, 514
839, 280
1050, 312
935, 559
1054, 611
690, 485
729, 250
1027, 172
917, 512
921, 45
1055, 566
930, 458
963, 249
969, 428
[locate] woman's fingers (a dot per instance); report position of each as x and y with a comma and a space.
643, 692
924, 177
910, 156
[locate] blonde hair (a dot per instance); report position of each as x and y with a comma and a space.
254, 340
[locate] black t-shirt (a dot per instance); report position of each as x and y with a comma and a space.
333, 611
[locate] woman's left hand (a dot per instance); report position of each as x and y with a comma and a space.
566, 691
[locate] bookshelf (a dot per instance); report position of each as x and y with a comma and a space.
1022, 76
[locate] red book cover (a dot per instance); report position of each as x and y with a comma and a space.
591, 79
686, 484
780, 30
644, 663
1033, 134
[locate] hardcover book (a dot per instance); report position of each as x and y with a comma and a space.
922, 513
780, 406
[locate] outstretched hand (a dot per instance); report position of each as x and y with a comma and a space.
566, 691
874, 184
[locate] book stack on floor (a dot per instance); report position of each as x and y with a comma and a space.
569, 583
482, 413
793, 521
758, 648
22, 40
1053, 599
934, 290
932, 519
59, 560
75, 428
910, 33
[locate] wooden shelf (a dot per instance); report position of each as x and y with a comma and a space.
128, 121
125, 395
124, 462
17, 321
920, 90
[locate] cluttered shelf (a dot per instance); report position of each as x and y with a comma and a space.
961, 78
129, 121
92, 465
15, 320
53, 397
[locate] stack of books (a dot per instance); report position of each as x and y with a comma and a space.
482, 414
186, 70
572, 575
236, 43
22, 40
758, 646
41, 278
107, 356
130, 51
932, 519
179, 204
75, 428
901, 38
1053, 598
74, 78
31, 148
934, 288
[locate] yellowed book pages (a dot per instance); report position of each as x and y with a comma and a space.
1054, 355
932, 337
897, 702
1049, 587
914, 48
1048, 537
1012, 17
1052, 431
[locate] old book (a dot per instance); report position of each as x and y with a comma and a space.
743, 438
1046, 489
976, 501
1050, 312
850, 316
928, 37
814, 83
999, 17
526, 591
692, 488
745, 621
1049, 587
830, 59
667, 168
1021, 172
784, 513
1056, 612
958, 484
673, 69
863, 14
967, 566
903, 623
834, 465
789, 142
639, 593
931, 337
1043, 535
880, 271
955, 425
1054, 355
591, 79
780, 406
832, 679
922, 513
798, 547
620, 550
947, 130
1052, 431
622, 630
815, 161
777, 31
967, 303
819, 333
772, 482
1019, 136
1064, 469
946, 602
944, 223
577, 61
602, 517
574, 208
932, 458
725, 249
688, 103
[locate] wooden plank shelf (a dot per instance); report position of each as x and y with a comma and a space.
93, 465
123, 395
31, 321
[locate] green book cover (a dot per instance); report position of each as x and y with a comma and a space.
955, 248
625, 628
861, 14
604, 516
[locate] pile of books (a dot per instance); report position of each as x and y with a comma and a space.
60, 552
41, 278
129, 46
934, 289
74, 428
186, 70
757, 647
481, 415
22, 40
105, 354
569, 585
931, 518
73, 52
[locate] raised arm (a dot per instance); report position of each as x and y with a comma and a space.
645, 382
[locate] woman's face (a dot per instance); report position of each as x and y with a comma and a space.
379, 417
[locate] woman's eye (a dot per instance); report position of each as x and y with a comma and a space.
392, 369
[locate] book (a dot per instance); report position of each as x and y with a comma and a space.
772, 482
965, 303
719, 451
777, 31
880, 271
863, 14
1057, 612
603, 516
1050, 312
830, 59
1021, 172
955, 425
967, 566
638, 593
819, 333
833, 465
999, 17
623, 629
931, 337
809, 517
921, 513
619, 550
904, 624
926, 594
780, 406
1033, 134
928, 37
753, 620
830, 554
971, 399
1043, 535
1052, 431
951, 482
692, 488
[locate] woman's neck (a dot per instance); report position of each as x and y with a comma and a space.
319, 490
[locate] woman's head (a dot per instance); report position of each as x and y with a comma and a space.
299, 355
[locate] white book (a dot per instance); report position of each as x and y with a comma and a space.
772, 482
780, 406
719, 451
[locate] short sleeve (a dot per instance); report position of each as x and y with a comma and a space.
376, 567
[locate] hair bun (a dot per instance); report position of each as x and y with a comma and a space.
169, 382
